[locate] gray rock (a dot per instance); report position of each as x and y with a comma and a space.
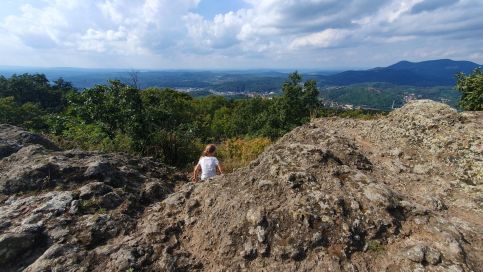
32, 219
74, 207
416, 253
380, 194
437, 204
261, 234
421, 169
123, 259
249, 251
255, 216
295, 253
5, 224
30, 228
7, 149
263, 184
317, 239
455, 268
59, 257
175, 199
57, 205
396, 152
18, 136
94, 189
433, 256
98, 168
13, 245
192, 205
153, 191
111, 200
296, 179
58, 233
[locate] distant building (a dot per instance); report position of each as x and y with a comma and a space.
409, 97
348, 106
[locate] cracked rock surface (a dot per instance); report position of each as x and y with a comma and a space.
398, 193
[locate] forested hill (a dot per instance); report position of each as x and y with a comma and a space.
427, 73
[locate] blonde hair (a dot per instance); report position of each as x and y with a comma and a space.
209, 150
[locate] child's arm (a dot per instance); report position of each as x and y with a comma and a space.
195, 173
219, 168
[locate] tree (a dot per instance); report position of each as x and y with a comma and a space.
134, 79
169, 131
36, 89
298, 101
116, 107
471, 89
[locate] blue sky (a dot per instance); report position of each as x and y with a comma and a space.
237, 34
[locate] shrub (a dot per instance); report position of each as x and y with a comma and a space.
471, 89
238, 152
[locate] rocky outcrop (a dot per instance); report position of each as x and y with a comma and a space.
57, 206
399, 193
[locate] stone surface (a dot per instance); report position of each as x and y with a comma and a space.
397, 193
416, 253
433, 256
94, 189
13, 245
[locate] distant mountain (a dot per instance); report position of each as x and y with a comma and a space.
427, 73
420, 74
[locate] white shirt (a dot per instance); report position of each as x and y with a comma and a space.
208, 167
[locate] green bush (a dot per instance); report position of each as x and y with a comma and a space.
238, 152
471, 89
168, 125
27, 115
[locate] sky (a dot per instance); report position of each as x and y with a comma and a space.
237, 34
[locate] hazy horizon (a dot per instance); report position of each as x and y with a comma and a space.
228, 70
126, 69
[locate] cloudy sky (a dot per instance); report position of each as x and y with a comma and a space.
237, 34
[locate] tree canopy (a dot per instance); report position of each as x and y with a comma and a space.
163, 123
471, 89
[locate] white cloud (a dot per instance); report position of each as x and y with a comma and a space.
267, 32
323, 39
100, 26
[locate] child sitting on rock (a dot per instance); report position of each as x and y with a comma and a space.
208, 164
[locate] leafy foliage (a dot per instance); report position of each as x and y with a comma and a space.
37, 90
298, 101
28, 115
471, 89
168, 125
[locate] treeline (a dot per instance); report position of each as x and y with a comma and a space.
25, 99
161, 123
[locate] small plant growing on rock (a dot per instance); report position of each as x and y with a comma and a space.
90, 206
101, 210
375, 246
